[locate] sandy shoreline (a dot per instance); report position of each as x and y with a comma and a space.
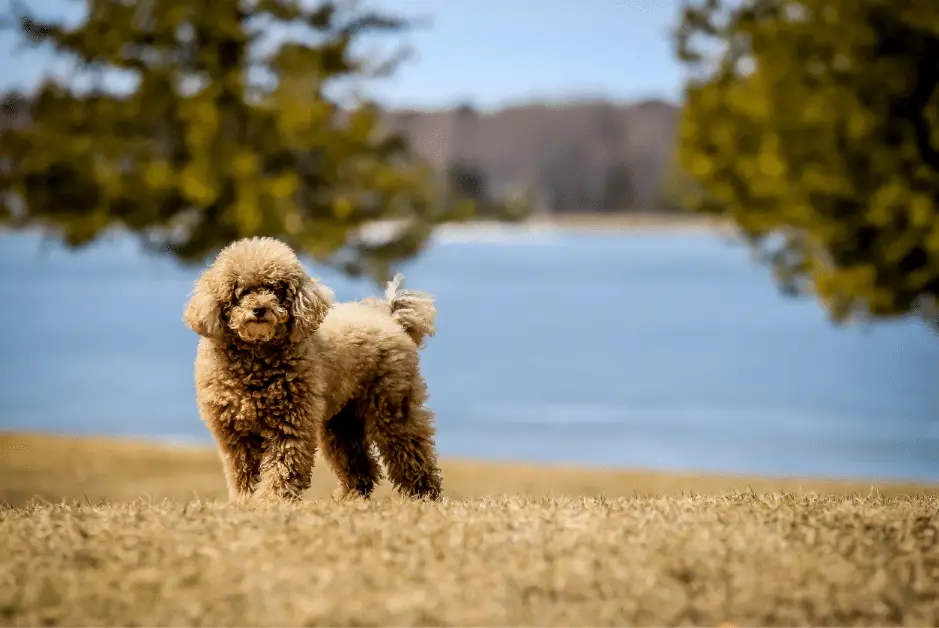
541, 226
649, 220
598, 222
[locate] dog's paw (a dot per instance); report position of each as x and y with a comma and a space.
239, 499
266, 498
341, 493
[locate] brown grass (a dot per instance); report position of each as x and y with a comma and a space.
148, 544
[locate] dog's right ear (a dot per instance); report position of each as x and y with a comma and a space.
203, 313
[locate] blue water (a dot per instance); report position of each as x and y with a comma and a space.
641, 350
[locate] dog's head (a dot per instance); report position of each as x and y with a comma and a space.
257, 290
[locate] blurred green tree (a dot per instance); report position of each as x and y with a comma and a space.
230, 129
814, 125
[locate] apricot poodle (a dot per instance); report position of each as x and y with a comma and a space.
281, 369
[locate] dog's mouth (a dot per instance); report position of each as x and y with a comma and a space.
257, 330
259, 322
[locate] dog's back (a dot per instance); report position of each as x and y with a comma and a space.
357, 338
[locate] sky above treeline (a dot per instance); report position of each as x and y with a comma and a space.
487, 53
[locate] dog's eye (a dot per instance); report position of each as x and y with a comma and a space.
240, 292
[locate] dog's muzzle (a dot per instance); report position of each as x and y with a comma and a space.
262, 315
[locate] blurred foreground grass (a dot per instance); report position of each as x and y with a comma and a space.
148, 544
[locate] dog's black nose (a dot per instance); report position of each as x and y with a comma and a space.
259, 312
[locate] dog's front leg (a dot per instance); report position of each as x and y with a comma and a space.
287, 463
286, 468
241, 461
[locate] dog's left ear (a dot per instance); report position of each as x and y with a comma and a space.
309, 307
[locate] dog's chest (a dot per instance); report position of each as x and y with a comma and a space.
273, 392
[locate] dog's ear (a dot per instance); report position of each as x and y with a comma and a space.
204, 312
310, 305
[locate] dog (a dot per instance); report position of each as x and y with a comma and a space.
282, 370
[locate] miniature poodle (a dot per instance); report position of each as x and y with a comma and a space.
281, 369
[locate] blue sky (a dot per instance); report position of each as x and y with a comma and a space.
493, 52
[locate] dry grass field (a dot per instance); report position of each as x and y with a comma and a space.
98, 532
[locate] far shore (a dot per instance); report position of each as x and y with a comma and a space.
57, 468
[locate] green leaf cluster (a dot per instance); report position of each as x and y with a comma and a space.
814, 125
230, 129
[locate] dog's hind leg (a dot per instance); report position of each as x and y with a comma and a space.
347, 451
403, 429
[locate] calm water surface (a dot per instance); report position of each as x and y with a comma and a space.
642, 350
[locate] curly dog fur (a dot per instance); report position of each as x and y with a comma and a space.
281, 370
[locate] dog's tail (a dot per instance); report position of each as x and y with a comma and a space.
414, 311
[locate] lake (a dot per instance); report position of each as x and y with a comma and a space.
645, 349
